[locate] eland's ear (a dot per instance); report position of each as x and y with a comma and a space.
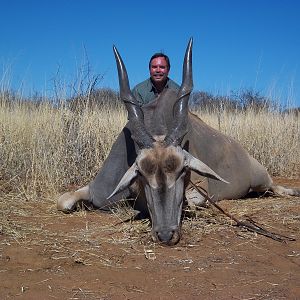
200, 167
126, 180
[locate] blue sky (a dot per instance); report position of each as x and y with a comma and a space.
237, 44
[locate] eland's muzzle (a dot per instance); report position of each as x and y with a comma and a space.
167, 237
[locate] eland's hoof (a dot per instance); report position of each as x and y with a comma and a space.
66, 202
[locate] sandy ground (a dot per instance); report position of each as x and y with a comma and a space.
45, 254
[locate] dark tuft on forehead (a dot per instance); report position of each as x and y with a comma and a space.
148, 165
171, 164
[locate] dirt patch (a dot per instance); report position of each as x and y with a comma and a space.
45, 254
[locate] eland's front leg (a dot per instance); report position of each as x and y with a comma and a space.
67, 201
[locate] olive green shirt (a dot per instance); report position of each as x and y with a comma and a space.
145, 91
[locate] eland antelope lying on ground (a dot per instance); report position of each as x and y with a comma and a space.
161, 149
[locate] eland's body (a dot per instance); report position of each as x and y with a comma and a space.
161, 149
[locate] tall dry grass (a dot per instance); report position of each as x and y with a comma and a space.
273, 138
46, 149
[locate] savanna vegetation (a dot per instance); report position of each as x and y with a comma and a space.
49, 146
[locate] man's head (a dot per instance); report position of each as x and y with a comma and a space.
159, 67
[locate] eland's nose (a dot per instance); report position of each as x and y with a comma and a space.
165, 236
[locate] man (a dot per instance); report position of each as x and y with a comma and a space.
148, 90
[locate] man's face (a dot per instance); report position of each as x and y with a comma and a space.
159, 70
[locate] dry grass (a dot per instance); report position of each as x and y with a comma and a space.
272, 138
44, 150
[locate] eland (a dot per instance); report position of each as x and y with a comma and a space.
163, 148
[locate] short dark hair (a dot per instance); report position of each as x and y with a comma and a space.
160, 55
